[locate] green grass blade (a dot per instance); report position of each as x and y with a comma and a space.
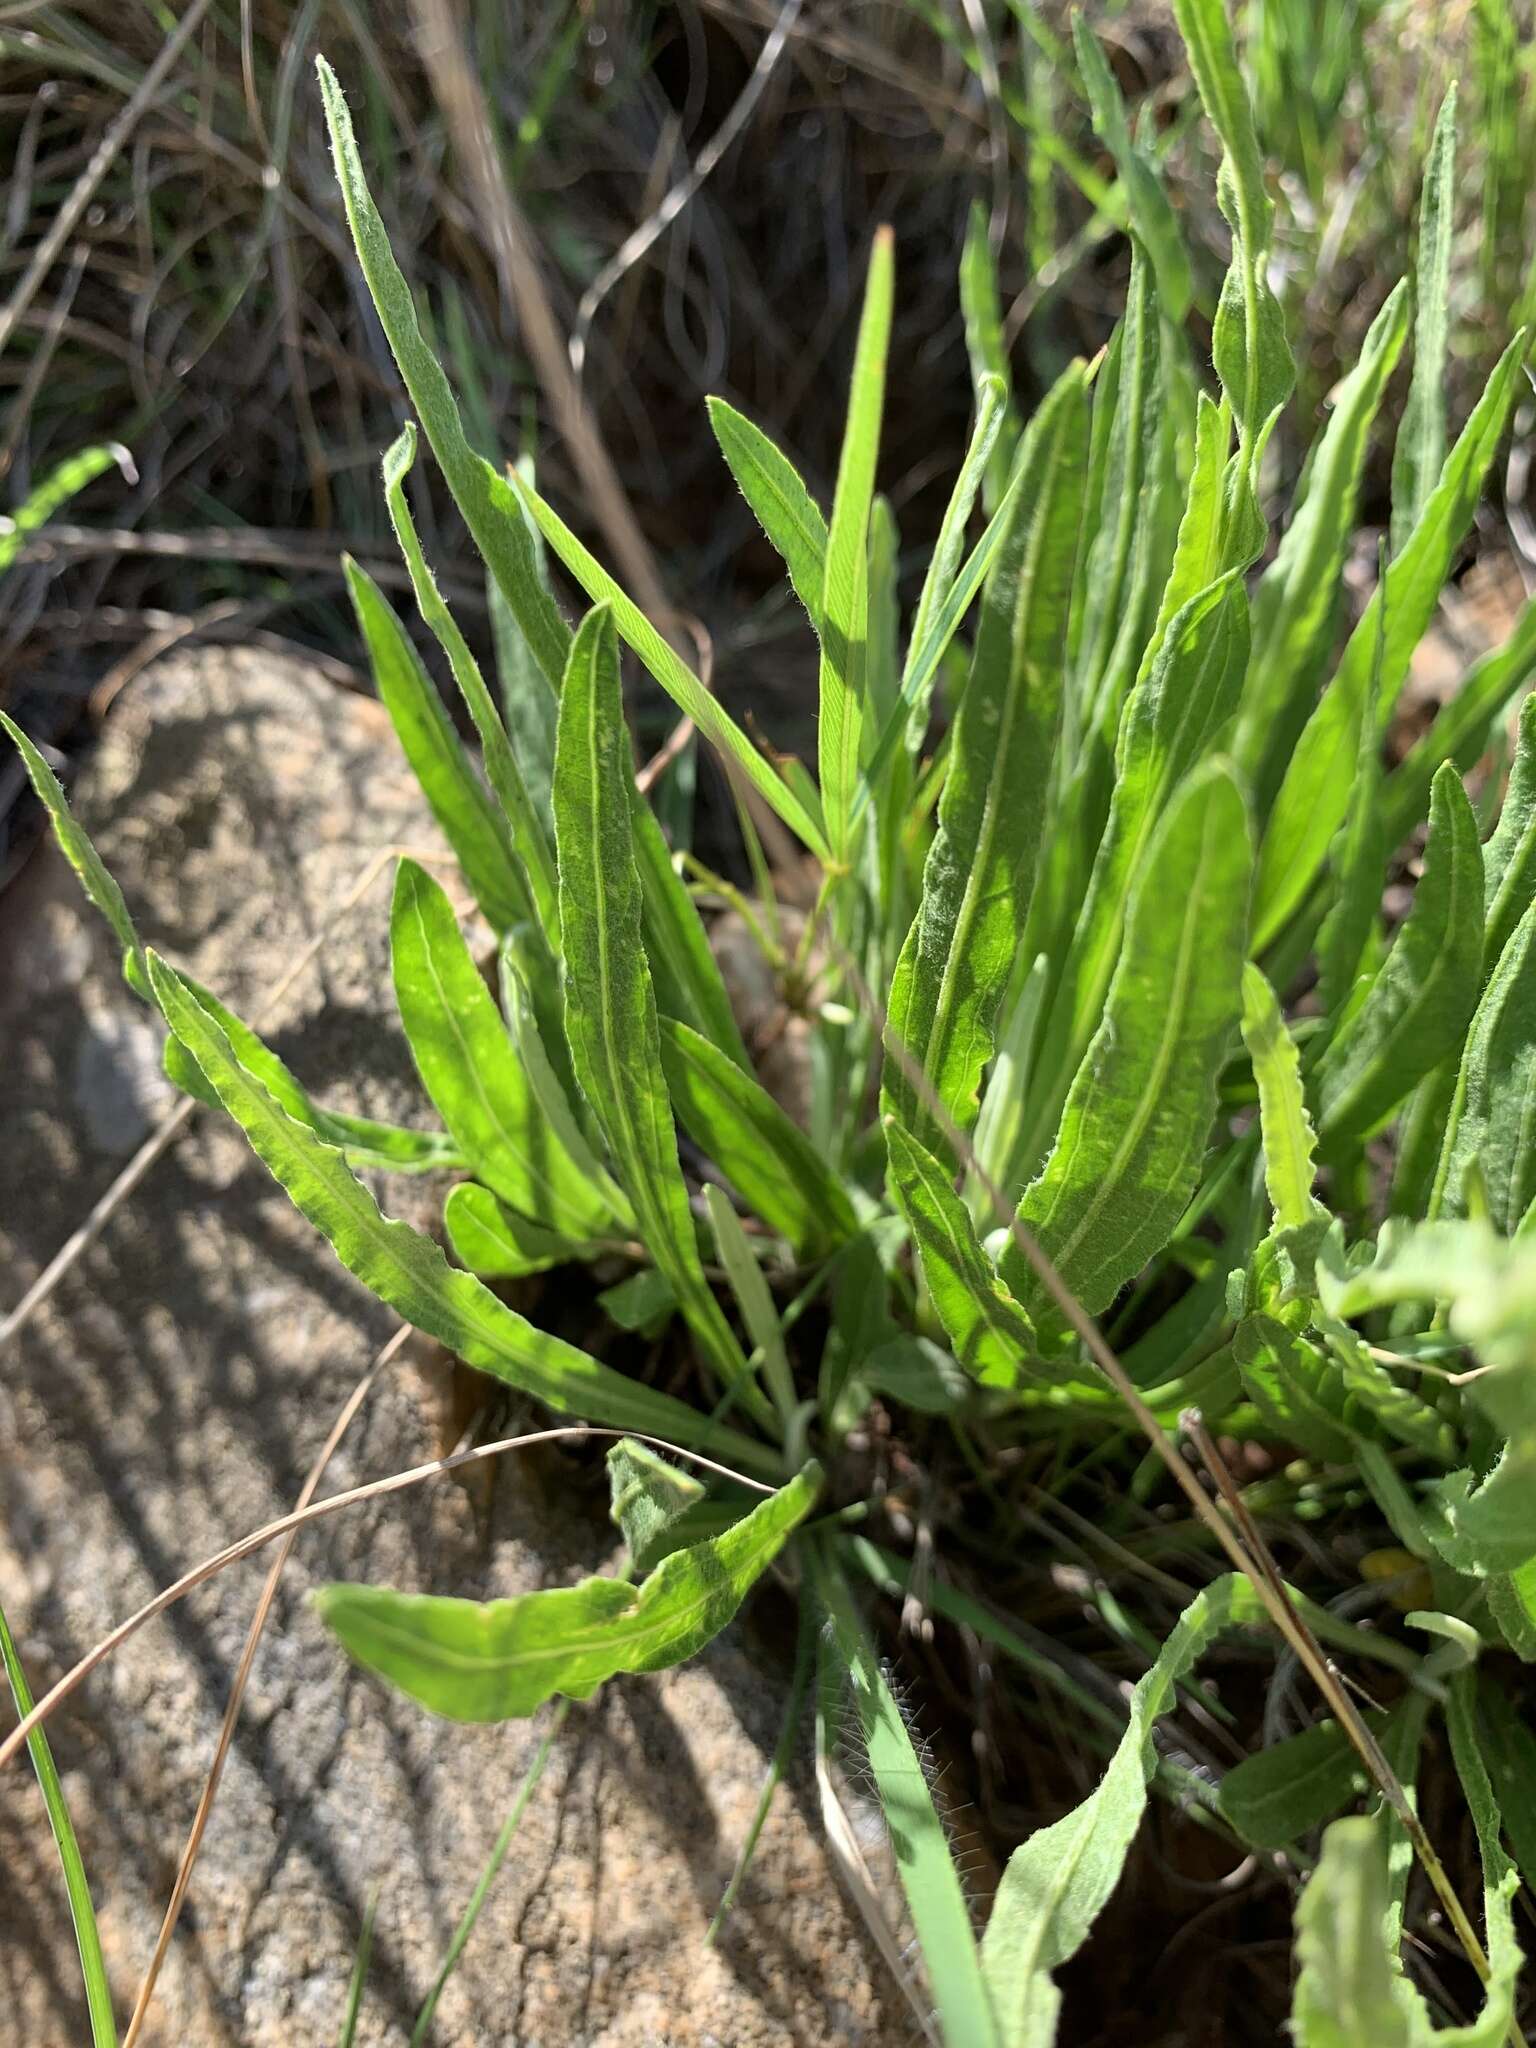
480, 837
408, 1271
499, 1660
528, 701
485, 498
929, 1879
421, 2033
1420, 1004
62, 483
1058, 1883
93, 1969
1420, 449
674, 675
1138, 1115
83, 858
358, 1982
960, 952
689, 984
752, 1298
845, 590
782, 505
765, 1156
1500, 1878
610, 1007
501, 763
468, 1067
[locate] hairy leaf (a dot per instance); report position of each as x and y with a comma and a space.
784, 508
1420, 447
766, 1157
960, 951
494, 1241
1139, 1112
499, 1660
610, 1008
1420, 1004
409, 1272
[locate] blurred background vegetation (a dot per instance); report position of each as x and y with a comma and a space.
175, 276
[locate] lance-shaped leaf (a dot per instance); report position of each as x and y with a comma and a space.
1126, 563
408, 1271
1282, 1792
986, 345
528, 700
1350, 1989
646, 1496
501, 764
1173, 717
494, 1241
1461, 730
1492, 1121
478, 833
368, 1144
499, 1660
1420, 447
1139, 1112
1286, 1130
1509, 858
1296, 606
83, 858
960, 951
469, 1069
1421, 1002
1500, 1878
1152, 215
989, 1333
1058, 1883
483, 496
844, 611
944, 564
674, 674
1315, 796
686, 974
766, 1157
610, 1008
784, 508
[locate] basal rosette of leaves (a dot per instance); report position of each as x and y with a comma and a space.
1091, 822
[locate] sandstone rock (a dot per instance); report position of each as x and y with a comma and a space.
172, 1395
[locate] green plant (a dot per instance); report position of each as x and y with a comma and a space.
1157, 799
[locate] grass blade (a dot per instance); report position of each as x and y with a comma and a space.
845, 589
1420, 449
928, 1875
93, 1969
